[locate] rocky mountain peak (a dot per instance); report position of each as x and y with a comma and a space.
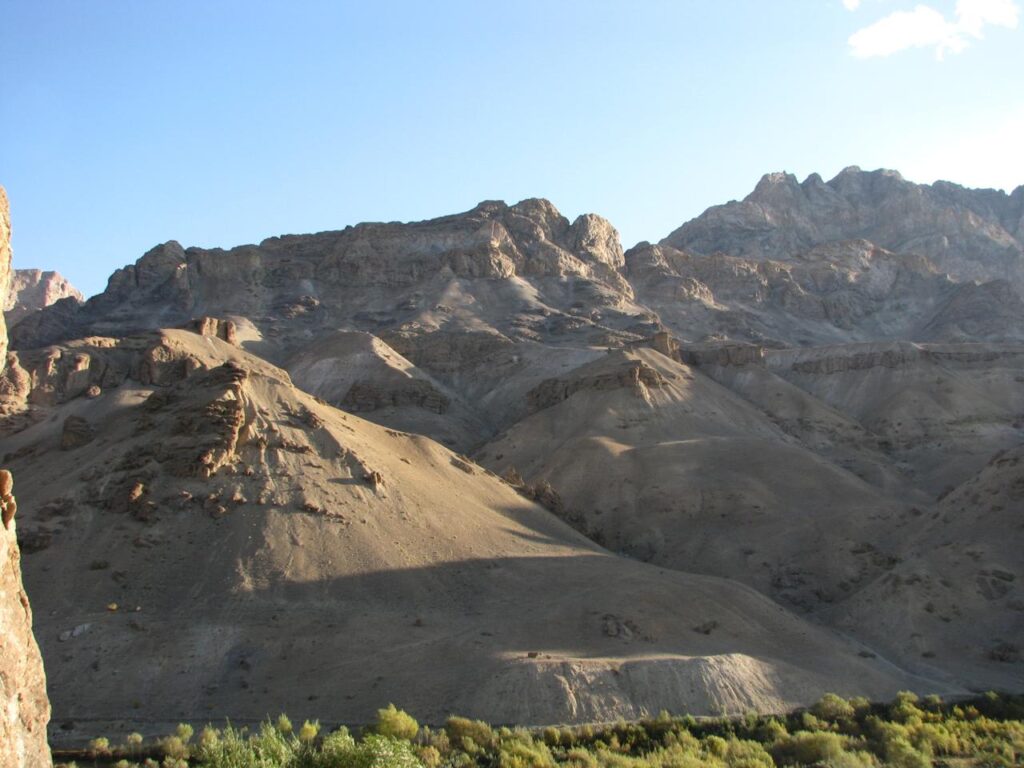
775, 188
597, 240
970, 234
540, 209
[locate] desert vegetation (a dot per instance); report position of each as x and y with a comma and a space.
910, 732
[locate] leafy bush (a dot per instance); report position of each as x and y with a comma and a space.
284, 724
832, 708
308, 732
174, 747
808, 748
524, 753
377, 751
397, 724
477, 732
910, 733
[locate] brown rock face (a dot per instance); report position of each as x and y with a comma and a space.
24, 708
33, 289
371, 277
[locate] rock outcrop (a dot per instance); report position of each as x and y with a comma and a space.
26, 710
370, 276
33, 289
24, 707
843, 291
632, 375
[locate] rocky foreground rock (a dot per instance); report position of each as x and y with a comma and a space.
24, 707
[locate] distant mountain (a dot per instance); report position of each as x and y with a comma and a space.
971, 234
864, 257
33, 289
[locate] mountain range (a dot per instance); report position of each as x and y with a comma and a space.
494, 463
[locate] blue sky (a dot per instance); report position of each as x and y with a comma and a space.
125, 124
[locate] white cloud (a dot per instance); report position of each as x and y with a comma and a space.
925, 27
851, 5
973, 15
920, 28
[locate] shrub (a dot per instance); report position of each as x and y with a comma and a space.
208, 737
308, 732
284, 725
771, 731
747, 754
133, 742
479, 733
853, 760
860, 704
807, 748
580, 758
336, 746
174, 748
832, 708
395, 723
900, 753
429, 756
517, 753
808, 722
716, 745
376, 751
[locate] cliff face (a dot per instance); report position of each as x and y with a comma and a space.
424, 274
866, 256
24, 707
32, 289
842, 291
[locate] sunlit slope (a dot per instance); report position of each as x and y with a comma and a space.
655, 459
267, 552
